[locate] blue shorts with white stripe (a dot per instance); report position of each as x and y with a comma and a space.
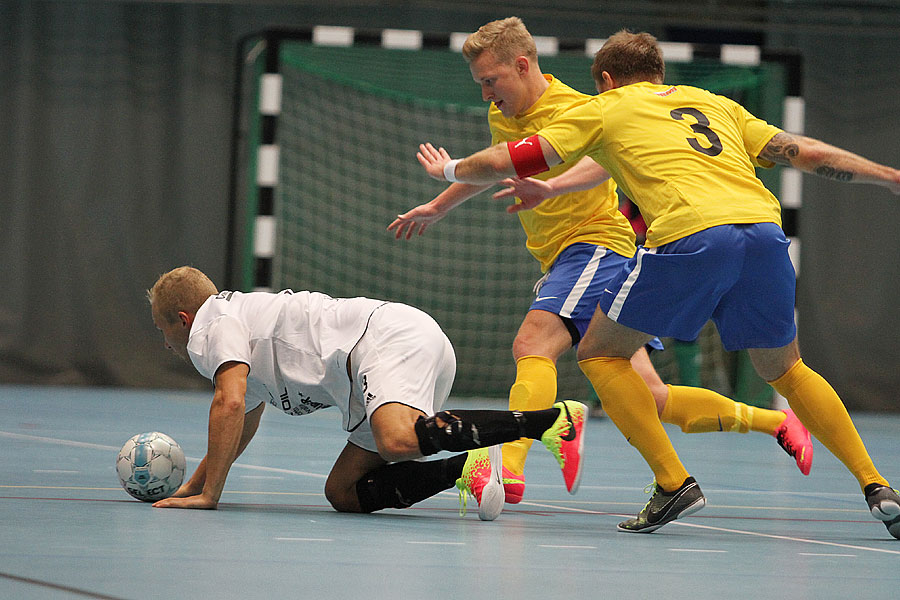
740, 276
574, 284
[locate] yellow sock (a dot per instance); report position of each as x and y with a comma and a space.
534, 389
819, 407
698, 410
628, 402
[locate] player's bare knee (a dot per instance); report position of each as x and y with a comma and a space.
393, 448
341, 499
522, 346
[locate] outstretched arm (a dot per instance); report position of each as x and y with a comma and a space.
227, 430
425, 214
586, 174
814, 156
194, 485
486, 166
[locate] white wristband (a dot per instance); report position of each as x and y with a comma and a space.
450, 170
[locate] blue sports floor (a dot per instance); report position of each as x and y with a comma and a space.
67, 530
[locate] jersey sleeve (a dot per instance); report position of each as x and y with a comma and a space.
222, 340
574, 133
756, 133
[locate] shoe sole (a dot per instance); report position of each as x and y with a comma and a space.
493, 495
579, 472
893, 528
691, 509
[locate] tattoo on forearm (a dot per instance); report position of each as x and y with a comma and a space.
784, 149
833, 173
781, 149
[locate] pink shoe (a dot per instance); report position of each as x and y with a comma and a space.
514, 485
565, 440
481, 478
795, 439
477, 474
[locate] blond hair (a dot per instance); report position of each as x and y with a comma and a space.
182, 289
629, 58
505, 38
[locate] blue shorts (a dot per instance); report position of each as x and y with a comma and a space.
574, 284
740, 276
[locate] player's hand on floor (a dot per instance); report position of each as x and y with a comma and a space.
421, 216
529, 190
186, 490
433, 160
200, 501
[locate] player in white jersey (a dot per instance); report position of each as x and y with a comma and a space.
387, 366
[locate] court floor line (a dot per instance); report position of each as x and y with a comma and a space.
62, 442
570, 503
729, 530
239, 465
534, 504
707, 490
56, 586
562, 505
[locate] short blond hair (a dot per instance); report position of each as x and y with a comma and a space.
182, 289
505, 38
630, 58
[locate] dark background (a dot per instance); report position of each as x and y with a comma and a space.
115, 132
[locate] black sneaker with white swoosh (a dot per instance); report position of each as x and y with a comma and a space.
665, 507
884, 504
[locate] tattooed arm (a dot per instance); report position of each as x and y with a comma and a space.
814, 156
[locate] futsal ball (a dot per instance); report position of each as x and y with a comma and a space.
150, 466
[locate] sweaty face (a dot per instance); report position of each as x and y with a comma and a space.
175, 334
503, 84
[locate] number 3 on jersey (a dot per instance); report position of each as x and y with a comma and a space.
701, 127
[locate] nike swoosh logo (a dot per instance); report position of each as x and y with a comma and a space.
570, 435
539, 298
654, 516
523, 142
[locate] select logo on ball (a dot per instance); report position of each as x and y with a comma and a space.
150, 466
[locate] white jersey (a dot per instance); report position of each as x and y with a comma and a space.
295, 343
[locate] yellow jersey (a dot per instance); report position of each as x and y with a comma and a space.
684, 155
590, 216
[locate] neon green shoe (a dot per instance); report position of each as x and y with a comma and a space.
565, 440
481, 478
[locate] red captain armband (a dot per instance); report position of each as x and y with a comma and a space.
527, 156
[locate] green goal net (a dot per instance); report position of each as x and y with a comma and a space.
350, 121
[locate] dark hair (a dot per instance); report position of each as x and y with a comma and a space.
629, 58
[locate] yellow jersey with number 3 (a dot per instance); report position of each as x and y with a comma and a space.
590, 216
684, 155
